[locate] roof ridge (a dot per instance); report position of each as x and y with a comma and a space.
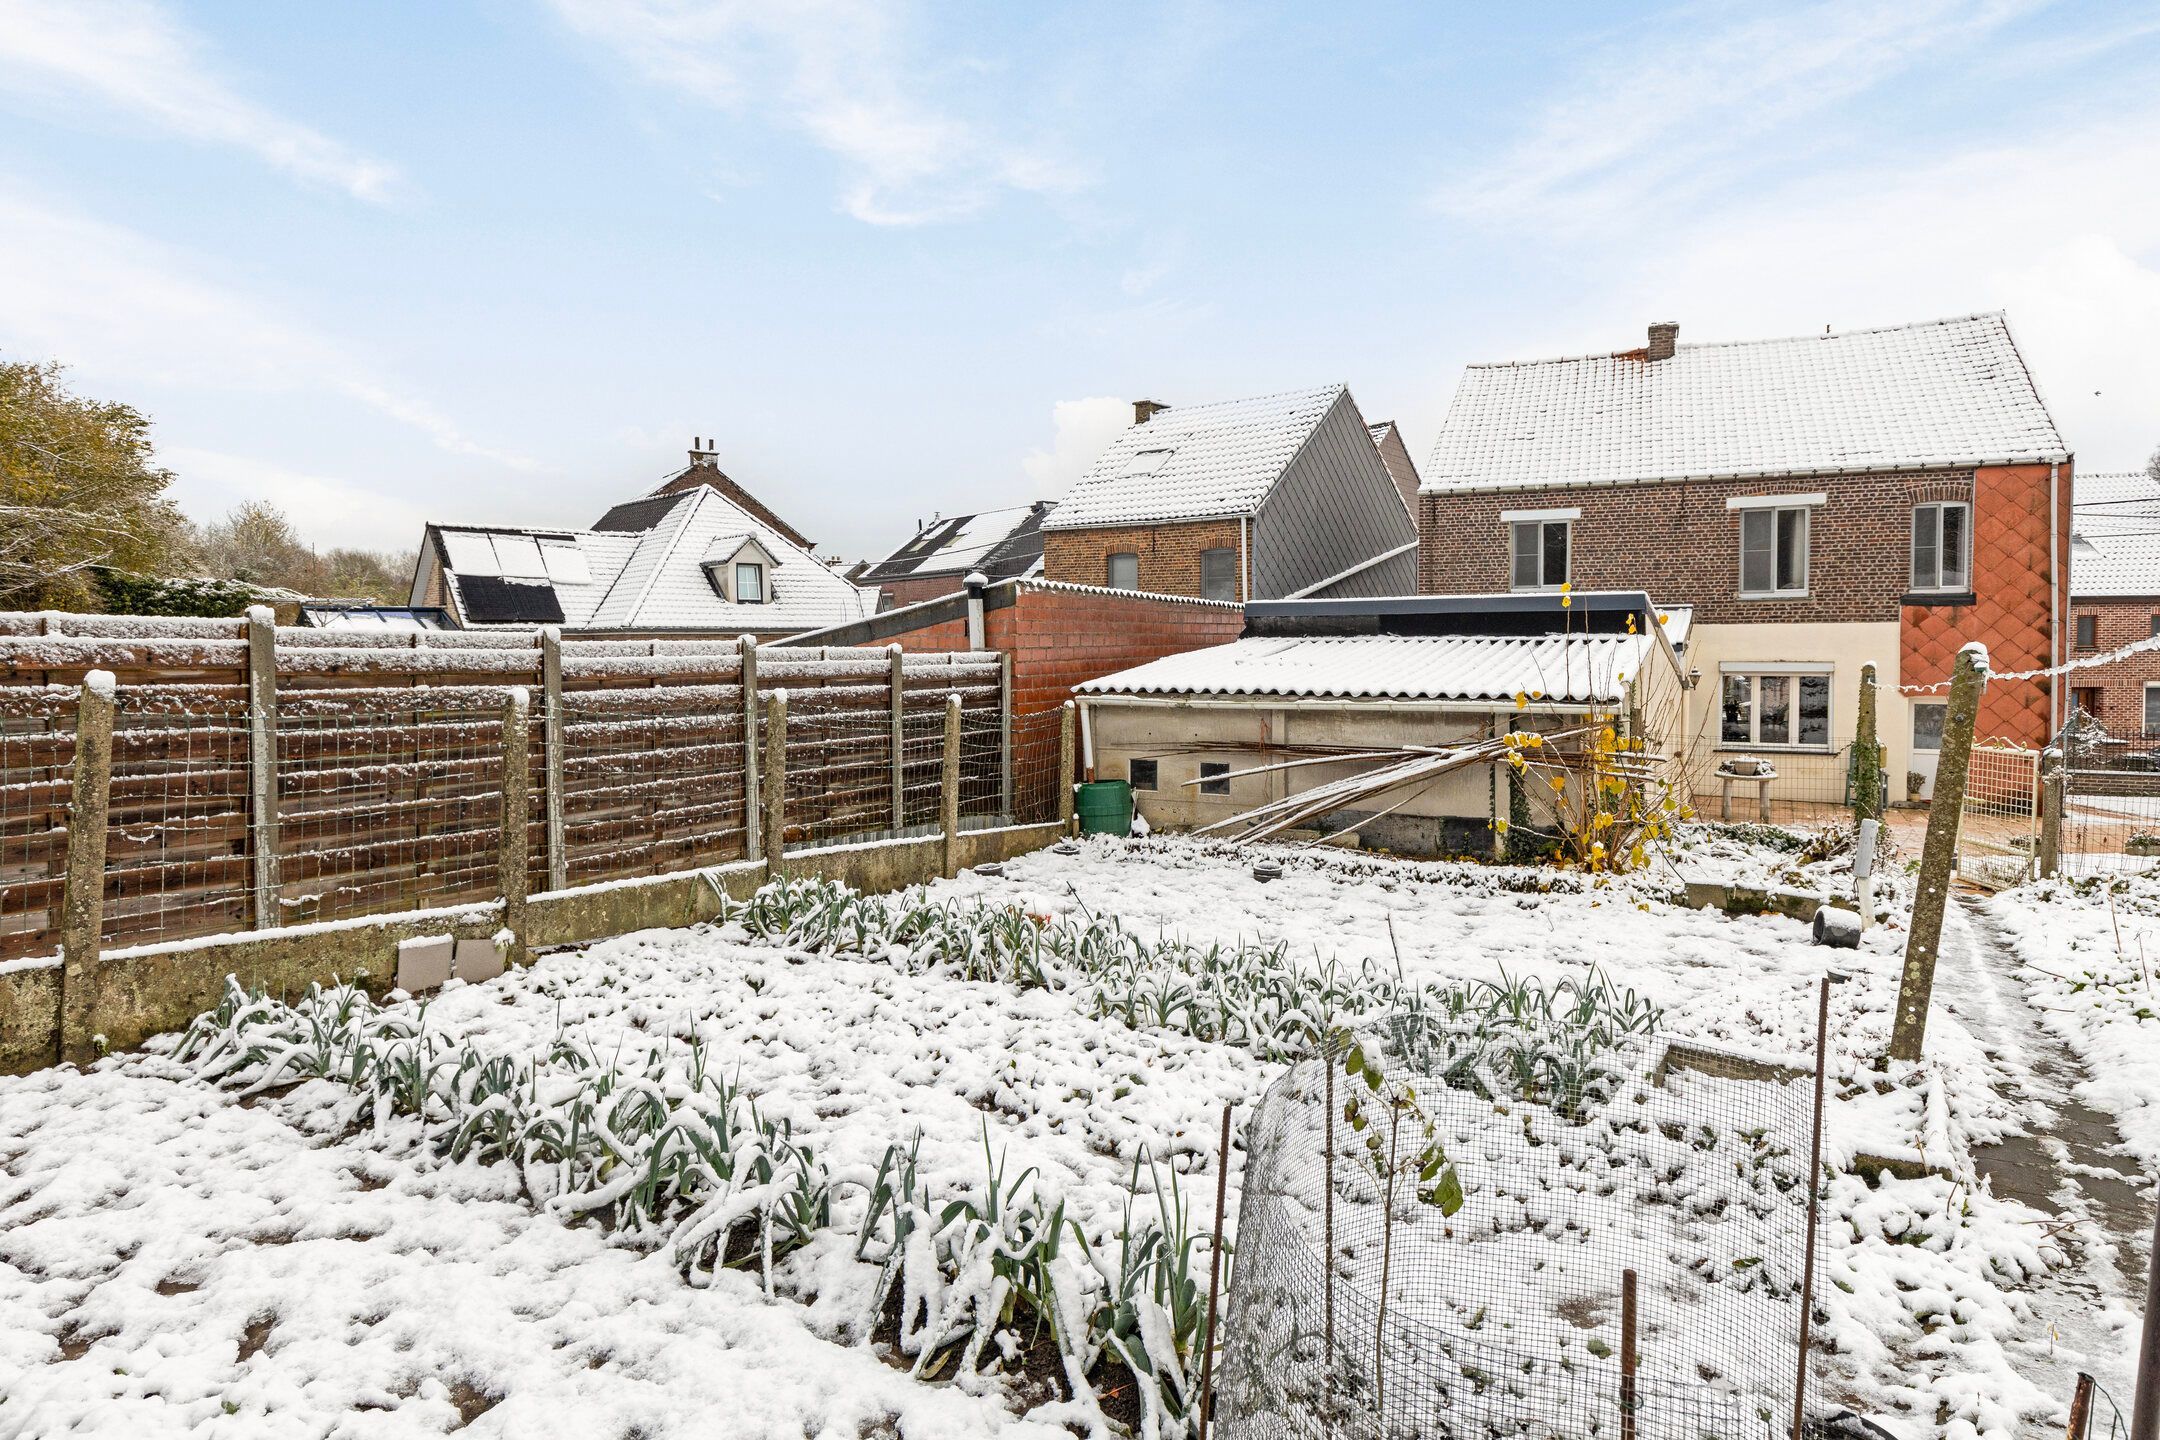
680, 516
1328, 389
1760, 340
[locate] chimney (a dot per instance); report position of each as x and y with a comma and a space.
703, 451
1664, 339
1145, 410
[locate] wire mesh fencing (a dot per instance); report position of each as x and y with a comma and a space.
1439, 1221
2111, 801
1741, 785
652, 780
177, 845
1039, 764
37, 768
1999, 832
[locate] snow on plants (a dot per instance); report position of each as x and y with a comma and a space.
937, 1164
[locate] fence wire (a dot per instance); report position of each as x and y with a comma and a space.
1579, 1158
2111, 801
1037, 780
652, 780
37, 770
177, 847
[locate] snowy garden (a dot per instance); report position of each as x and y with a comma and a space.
945, 1162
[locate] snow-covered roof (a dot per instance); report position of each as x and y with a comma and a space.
2115, 535
649, 579
1937, 394
999, 543
1569, 669
1197, 462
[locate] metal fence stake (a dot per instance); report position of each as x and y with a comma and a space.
2081, 1407
1214, 1281
262, 763
1814, 1206
1627, 1355
2145, 1408
82, 902
1938, 859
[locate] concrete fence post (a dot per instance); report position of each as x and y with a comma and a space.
1068, 752
2052, 781
896, 681
1938, 854
775, 779
949, 787
1867, 798
551, 719
262, 764
513, 850
82, 902
753, 808
1005, 737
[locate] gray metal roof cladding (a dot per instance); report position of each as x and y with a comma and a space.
2115, 525
1567, 669
1940, 393
1214, 461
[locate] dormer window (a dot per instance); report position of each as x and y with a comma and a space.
740, 569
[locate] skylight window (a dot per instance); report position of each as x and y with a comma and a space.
1147, 462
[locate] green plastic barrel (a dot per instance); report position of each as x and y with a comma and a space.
1105, 807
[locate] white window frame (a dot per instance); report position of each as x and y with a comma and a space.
1792, 673
1110, 569
1938, 585
764, 592
1229, 559
1772, 511
2145, 718
1540, 520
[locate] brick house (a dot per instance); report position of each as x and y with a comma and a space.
1819, 502
1270, 498
997, 544
2115, 600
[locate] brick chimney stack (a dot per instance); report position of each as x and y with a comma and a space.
1145, 410
1664, 339
704, 451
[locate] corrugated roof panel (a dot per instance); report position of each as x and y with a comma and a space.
1570, 669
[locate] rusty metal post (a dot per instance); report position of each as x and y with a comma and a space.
82, 902
1214, 1279
2145, 1408
2081, 1407
1627, 1355
1814, 1207
1938, 855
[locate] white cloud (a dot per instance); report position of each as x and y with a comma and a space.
104, 299
328, 511
130, 56
837, 71
1694, 102
1080, 430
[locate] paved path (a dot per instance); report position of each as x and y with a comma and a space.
2070, 1163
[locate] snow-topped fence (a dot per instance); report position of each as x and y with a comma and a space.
262, 778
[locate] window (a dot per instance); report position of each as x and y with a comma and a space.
2088, 632
1124, 571
1540, 555
1927, 724
1141, 774
1773, 551
749, 583
1214, 777
2156, 625
1942, 546
2152, 708
1768, 708
1218, 574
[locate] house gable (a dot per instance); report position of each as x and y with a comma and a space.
1334, 508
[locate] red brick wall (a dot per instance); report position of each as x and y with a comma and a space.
2121, 683
2013, 611
1169, 555
1059, 637
1677, 540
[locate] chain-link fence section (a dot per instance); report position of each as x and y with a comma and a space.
1439, 1220
1999, 832
2111, 801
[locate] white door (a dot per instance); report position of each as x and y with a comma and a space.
1927, 728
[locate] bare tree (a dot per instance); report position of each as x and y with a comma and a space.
2152, 465
79, 488
257, 545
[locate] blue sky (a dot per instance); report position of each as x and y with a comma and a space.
501, 260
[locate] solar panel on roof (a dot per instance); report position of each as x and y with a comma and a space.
493, 600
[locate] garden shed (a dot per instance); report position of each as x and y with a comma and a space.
1316, 692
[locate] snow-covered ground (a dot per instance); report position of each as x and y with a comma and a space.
174, 1259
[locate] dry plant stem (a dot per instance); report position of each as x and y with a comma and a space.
1387, 1255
